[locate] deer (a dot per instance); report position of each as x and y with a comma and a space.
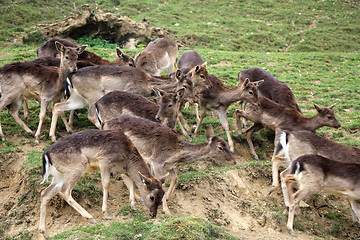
314, 173
86, 58
278, 118
96, 150
89, 84
271, 88
188, 60
163, 149
220, 96
31, 80
158, 57
293, 144
117, 103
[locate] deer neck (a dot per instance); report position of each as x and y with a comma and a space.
312, 123
192, 152
231, 94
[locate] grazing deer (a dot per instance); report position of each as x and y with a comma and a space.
86, 58
31, 80
220, 96
159, 56
278, 118
314, 173
117, 103
271, 88
164, 149
89, 84
96, 150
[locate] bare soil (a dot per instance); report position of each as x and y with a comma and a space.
236, 199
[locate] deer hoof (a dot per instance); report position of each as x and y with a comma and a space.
93, 221
292, 233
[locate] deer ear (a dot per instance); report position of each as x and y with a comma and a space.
145, 180
81, 49
159, 92
179, 75
258, 83
179, 94
119, 53
317, 107
246, 83
204, 64
59, 46
332, 106
209, 132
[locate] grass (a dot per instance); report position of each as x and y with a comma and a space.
136, 226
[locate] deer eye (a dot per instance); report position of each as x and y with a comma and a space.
330, 117
131, 65
66, 57
251, 92
152, 198
202, 76
220, 148
170, 105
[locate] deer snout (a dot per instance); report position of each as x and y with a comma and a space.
338, 126
157, 117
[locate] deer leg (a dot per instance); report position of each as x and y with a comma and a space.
224, 122
14, 112
71, 119
196, 106
184, 132
26, 110
65, 193
173, 176
276, 162
105, 180
249, 132
184, 122
286, 192
43, 105
202, 116
130, 185
355, 212
46, 195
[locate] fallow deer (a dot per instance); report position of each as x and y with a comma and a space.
188, 60
86, 58
278, 118
271, 88
89, 84
297, 143
96, 150
159, 56
164, 149
31, 80
220, 96
314, 173
117, 103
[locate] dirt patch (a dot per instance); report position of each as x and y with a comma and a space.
236, 199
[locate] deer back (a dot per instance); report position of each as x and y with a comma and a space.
188, 60
159, 56
271, 88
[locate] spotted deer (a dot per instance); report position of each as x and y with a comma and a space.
159, 56
278, 118
313, 173
89, 84
163, 149
96, 150
220, 96
30, 80
86, 58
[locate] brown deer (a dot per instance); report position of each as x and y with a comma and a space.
31, 80
188, 60
297, 143
159, 56
96, 150
220, 96
86, 58
117, 103
314, 173
271, 88
89, 84
278, 118
164, 149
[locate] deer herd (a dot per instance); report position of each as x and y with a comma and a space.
136, 111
